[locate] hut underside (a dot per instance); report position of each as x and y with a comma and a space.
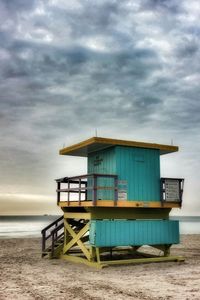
102, 236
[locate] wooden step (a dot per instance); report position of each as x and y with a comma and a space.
47, 251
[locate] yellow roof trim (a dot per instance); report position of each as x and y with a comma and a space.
98, 143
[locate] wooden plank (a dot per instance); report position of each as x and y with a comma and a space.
120, 203
77, 215
103, 264
145, 260
78, 259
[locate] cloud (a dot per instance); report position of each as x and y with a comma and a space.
13, 204
129, 69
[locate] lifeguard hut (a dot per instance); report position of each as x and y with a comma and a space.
120, 205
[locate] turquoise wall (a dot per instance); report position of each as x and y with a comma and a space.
103, 162
141, 169
138, 171
107, 233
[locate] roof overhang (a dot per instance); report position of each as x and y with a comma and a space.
98, 143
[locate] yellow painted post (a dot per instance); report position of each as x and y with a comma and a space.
76, 239
98, 255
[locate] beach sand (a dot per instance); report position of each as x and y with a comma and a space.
25, 275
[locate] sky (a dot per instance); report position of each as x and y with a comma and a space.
71, 69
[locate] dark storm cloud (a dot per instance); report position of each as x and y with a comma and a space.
89, 18
19, 5
68, 67
169, 6
60, 66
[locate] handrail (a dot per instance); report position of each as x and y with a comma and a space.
78, 180
53, 232
55, 237
66, 179
52, 224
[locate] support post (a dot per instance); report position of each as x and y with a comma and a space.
115, 191
77, 237
79, 192
68, 194
95, 190
58, 192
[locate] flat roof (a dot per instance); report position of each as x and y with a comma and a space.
99, 143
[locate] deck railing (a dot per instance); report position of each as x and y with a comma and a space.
171, 189
86, 185
53, 233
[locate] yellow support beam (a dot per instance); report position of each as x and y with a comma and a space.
145, 260
91, 256
77, 215
78, 259
98, 255
76, 239
119, 203
101, 264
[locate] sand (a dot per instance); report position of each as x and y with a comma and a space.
25, 275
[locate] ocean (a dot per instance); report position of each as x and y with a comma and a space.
23, 226
31, 226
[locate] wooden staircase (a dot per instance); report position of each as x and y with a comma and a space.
53, 238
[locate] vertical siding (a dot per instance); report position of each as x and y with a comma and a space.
103, 162
141, 169
107, 233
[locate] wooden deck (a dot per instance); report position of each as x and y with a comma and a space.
119, 203
78, 185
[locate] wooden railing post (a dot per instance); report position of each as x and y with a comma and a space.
115, 190
56, 225
86, 190
52, 243
58, 192
68, 193
94, 189
43, 240
79, 194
